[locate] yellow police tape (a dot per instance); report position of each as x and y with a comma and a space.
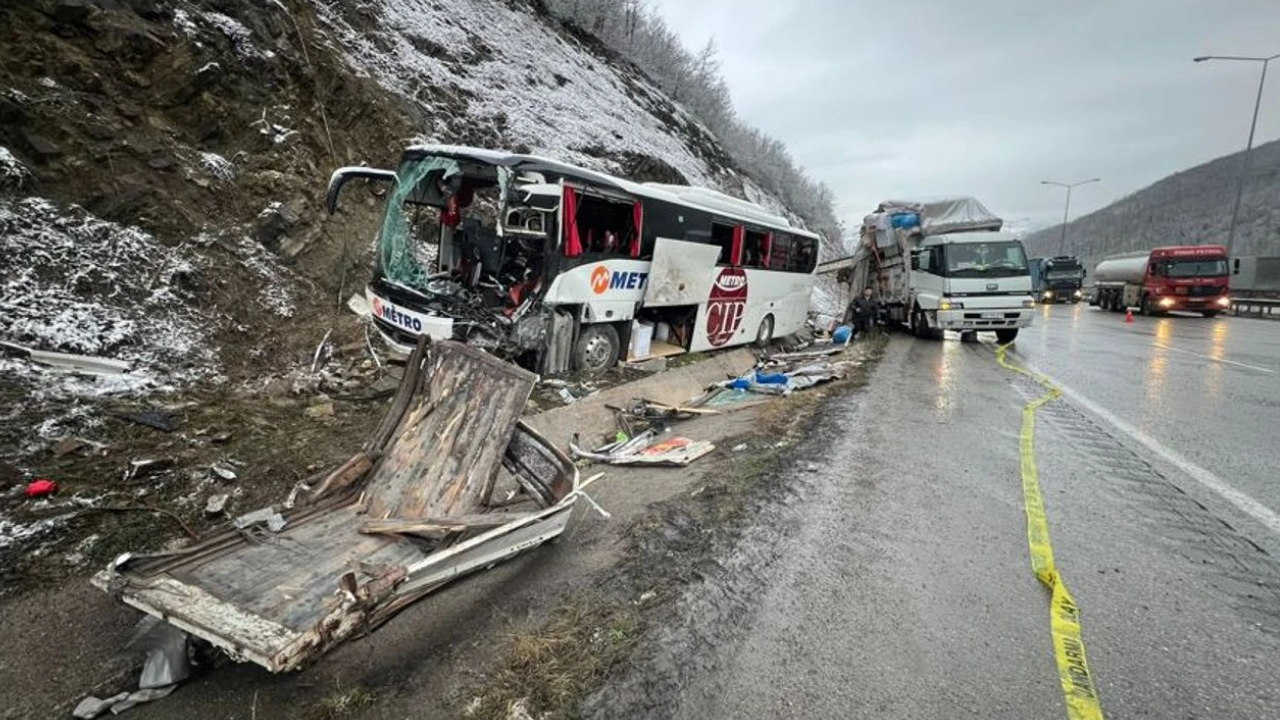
1068, 642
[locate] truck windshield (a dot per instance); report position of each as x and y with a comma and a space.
1196, 268
1065, 271
990, 259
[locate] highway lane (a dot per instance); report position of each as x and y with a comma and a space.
1202, 394
895, 583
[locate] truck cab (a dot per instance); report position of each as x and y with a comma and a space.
970, 282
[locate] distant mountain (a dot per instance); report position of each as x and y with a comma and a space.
1192, 207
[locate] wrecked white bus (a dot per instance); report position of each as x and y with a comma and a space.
555, 266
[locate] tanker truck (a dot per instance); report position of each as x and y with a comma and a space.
945, 265
1185, 278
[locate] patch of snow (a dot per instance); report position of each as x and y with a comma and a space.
182, 20
217, 166
211, 65
49, 83
13, 174
434, 53
13, 533
275, 131
75, 283
241, 37
276, 292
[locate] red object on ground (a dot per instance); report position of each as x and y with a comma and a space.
40, 488
1128, 315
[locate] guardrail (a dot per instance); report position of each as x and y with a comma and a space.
1268, 308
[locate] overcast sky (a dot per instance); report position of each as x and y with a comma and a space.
989, 97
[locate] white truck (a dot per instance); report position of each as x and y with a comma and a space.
943, 264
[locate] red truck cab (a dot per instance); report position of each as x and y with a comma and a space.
1189, 278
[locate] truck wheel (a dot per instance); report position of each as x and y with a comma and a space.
923, 331
1006, 335
596, 349
764, 333
1144, 307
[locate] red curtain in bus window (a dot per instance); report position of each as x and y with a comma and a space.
572, 240
739, 234
637, 221
766, 251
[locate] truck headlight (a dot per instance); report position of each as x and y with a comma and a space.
950, 305
1166, 302
1028, 303
1224, 301
1079, 294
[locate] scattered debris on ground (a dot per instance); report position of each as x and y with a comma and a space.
647, 448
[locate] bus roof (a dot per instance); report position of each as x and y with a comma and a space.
694, 197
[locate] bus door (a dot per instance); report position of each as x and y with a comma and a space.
681, 273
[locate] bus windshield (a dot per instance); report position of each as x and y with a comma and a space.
988, 259
1196, 268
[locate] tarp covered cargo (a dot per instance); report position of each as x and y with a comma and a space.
940, 216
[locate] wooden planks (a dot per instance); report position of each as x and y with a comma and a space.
447, 450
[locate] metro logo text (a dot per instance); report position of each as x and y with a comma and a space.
604, 280
393, 315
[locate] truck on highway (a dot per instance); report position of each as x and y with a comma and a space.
945, 265
1057, 279
1184, 278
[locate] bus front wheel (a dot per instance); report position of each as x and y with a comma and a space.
596, 349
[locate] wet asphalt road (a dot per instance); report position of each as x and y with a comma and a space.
895, 582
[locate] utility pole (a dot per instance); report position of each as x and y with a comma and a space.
1062, 242
1253, 125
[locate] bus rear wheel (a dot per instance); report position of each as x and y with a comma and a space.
765, 333
596, 349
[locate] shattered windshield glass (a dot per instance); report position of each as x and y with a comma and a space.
992, 259
408, 240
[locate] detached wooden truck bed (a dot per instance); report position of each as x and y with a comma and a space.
451, 482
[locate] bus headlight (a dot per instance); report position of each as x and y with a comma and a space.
1224, 301
1166, 302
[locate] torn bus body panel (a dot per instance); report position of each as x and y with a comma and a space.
555, 266
450, 482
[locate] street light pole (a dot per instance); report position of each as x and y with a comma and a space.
1062, 242
1253, 125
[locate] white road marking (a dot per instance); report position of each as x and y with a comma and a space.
1210, 357
1243, 502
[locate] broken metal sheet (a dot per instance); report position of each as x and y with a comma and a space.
283, 600
274, 521
68, 362
166, 649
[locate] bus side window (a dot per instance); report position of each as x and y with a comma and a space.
753, 247
804, 255
780, 253
722, 235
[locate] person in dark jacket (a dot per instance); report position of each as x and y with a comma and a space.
862, 312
